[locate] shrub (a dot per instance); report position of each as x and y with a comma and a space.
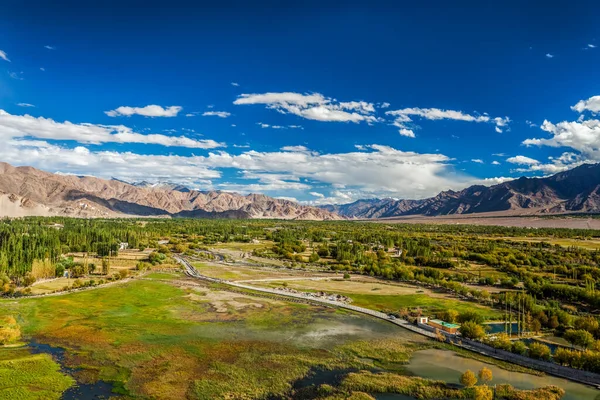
539, 351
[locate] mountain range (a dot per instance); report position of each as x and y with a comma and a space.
575, 190
26, 191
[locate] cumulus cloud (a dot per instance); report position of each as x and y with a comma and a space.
317, 194
522, 160
375, 171
477, 160
592, 104
27, 126
406, 132
220, 114
404, 117
4, 56
294, 148
313, 106
582, 136
548, 55
495, 162
147, 111
235, 84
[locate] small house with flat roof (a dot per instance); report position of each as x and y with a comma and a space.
443, 325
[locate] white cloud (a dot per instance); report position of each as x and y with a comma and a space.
241, 146
25, 105
436, 114
4, 56
263, 125
501, 123
42, 69
582, 136
530, 124
316, 194
385, 104
24, 126
499, 154
294, 148
548, 55
15, 75
50, 47
403, 117
406, 132
522, 160
477, 160
220, 114
147, 111
495, 162
235, 84
591, 46
592, 104
313, 106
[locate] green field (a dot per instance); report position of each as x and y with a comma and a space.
429, 305
30, 376
125, 334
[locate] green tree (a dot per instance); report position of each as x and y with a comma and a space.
472, 330
105, 266
450, 315
471, 316
539, 351
579, 337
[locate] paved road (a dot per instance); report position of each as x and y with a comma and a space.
191, 271
550, 368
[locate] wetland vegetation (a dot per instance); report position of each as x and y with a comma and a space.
164, 335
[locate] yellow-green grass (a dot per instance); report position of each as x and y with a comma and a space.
589, 244
25, 376
236, 273
386, 297
158, 340
55, 285
163, 275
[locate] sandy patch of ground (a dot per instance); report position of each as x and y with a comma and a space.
223, 302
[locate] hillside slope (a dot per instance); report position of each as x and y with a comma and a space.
575, 190
29, 191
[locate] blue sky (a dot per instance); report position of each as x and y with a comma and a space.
315, 101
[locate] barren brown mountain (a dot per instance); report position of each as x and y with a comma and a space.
29, 191
576, 190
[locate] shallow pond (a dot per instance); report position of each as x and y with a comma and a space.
323, 330
448, 366
80, 391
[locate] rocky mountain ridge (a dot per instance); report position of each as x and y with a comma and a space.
575, 190
29, 191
